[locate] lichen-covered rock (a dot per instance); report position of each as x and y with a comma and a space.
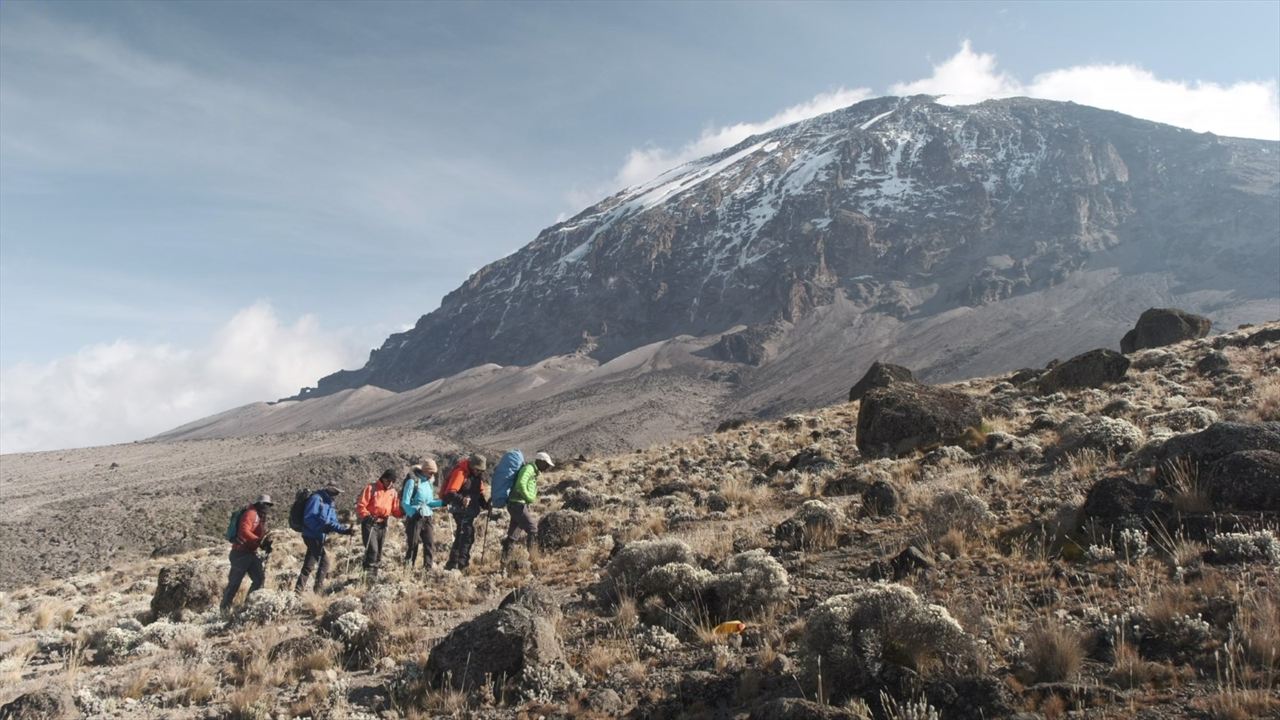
1158, 327
877, 376
957, 510
815, 524
1103, 434
903, 417
676, 582
1093, 369
561, 529
536, 598
186, 587
857, 638
1218, 441
266, 606
1116, 502
1184, 419
579, 499
337, 609
1213, 363
115, 644
654, 641
637, 558
750, 583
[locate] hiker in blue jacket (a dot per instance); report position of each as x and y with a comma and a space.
417, 498
318, 520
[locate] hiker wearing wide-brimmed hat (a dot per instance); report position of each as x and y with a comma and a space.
250, 537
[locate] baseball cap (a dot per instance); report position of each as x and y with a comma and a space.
544, 458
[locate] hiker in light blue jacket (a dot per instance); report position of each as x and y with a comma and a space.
418, 498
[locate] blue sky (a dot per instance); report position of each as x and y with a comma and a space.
176, 174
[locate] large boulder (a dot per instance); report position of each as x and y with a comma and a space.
1092, 369
1245, 480
1117, 503
562, 529
1204, 448
1158, 327
903, 417
498, 646
191, 586
877, 376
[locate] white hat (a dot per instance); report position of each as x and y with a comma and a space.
544, 458
263, 499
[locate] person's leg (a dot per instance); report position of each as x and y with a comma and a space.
380, 532
513, 529
455, 550
234, 577
530, 529
372, 548
308, 564
257, 573
427, 531
322, 564
411, 539
466, 538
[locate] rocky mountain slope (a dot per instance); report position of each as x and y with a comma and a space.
1101, 543
960, 241
902, 207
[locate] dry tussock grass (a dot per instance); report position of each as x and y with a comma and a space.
1266, 404
1054, 653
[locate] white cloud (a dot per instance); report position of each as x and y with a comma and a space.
1242, 109
125, 390
644, 164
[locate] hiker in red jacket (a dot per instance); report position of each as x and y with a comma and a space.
249, 550
378, 502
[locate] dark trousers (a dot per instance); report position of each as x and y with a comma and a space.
419, 529
315, 559
521, 521
373, 534
464, 536
243, 563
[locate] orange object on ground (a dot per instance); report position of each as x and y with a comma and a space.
733, 627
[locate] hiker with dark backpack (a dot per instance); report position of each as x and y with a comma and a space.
464, 492
378, 503
318, 519
417, 499
523, 493
250, 543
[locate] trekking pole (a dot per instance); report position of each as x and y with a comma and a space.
484, 538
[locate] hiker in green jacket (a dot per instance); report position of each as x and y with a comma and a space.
524, 492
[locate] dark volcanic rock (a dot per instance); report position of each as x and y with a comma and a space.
904, 417
1158, 327
1116, 502
561, 528
746, 347
1217, 441
495, 647
877, 376
1214, 362
187, 586
798, 709
1264, 337
881, 499
1245, 480
38, 705
1092, 369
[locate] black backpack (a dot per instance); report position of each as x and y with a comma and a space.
298, 509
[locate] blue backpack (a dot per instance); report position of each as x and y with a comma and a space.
504, 476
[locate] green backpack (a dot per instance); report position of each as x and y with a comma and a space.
233, 527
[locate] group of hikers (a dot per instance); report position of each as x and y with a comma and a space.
514, 484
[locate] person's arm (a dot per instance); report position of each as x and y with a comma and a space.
366, 499
331, 522
396, 508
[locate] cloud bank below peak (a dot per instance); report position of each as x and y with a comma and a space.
125, 390
1249, 109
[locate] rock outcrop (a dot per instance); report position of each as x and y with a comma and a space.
1093, 369
189, 586
1158, 327
904, 417
877, 376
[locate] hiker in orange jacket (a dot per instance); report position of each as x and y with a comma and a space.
252, 537
378, 502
